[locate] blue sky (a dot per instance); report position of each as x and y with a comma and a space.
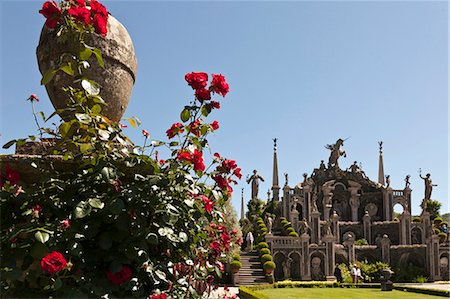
307, 73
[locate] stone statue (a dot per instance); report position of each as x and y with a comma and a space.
286, 264
407, 183
428, 186
322, 165
286, 177
269, 224
255, 183
268, 195
388, 181
326, 228
314, 202
316, 269
335, 153
294, 206
304, 227
305, 176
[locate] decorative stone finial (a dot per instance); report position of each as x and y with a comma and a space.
275, 143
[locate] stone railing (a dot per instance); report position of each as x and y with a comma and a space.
283, 242
397, 193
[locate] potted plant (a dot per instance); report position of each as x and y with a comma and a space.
268, 267
83, 46
235, 266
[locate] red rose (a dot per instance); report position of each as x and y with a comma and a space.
196, 80
53, 262
221, 181
52, 13
174, 130
229, 165
185, 156
237, 173
33, 98
36, 209
123, 275
226, 240
215, 125
159, 296
11, 175
80, 2
99, 23
197, 158
65, 224
98, 9
215, 105
219, 85
145, 133
81, 14
203, 94
209, 204
215, 246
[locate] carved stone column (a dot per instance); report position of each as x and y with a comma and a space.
349, 243
329, 262
294, 219
367, 227
407, 195
307, 199
405, 228
315, 227
305, 268
426, 225
327, 201
335, 226
385, 249
433, 257
354, 202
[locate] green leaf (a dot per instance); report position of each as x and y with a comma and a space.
68, 69
96, 109
85, 54
42, 236
48, 75
83, 118
116, 206
174, 143
98, 54
206, 110
96, 203
84, 147
9, 143
82, 210
42, 115
57, 284
185, 115
91, 87
64, 128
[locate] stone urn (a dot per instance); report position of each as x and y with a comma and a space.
116, 79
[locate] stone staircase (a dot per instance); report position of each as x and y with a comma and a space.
251, 272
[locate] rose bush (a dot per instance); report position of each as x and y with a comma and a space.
105, 219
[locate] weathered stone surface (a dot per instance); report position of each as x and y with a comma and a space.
116, 79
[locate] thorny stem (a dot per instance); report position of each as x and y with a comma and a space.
36, 120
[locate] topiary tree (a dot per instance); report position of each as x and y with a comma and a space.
262, 245
264, 251
266, 258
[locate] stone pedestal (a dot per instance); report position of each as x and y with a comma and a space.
349, 243
305, 268
385, 249
367, 228
335, 226
405, 228
329, 263
315, 227
433, 257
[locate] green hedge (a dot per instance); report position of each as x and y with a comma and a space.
266, 258
293, 234
245, 292
235, 264
264, 251
442, 293
262, 245
269, 265
236, 257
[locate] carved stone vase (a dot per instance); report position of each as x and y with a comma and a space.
116, 79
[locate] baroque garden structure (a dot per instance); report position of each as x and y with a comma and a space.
332, 208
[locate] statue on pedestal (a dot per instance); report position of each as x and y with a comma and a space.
335, 153
255, 183
428, 185
269, 224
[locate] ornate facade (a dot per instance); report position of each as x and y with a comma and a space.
332, 208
